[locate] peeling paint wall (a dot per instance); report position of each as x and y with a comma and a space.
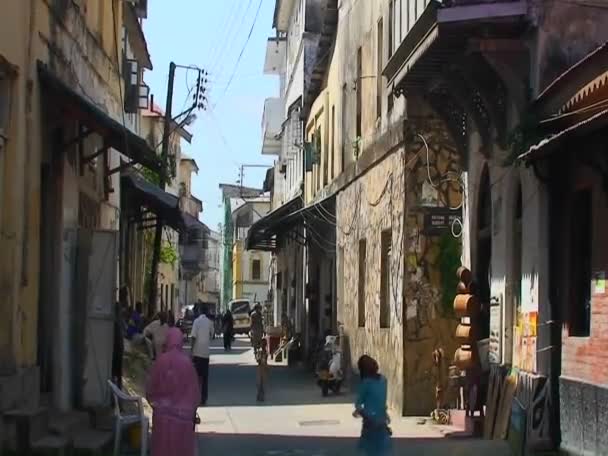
566, 33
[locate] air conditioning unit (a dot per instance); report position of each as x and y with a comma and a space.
137, 93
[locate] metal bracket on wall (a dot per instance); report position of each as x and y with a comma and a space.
94, 155
84, 133
121, 167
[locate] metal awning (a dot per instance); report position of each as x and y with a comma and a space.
115, 135
262, 234
553, 142
164, 205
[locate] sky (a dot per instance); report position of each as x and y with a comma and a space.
211, 34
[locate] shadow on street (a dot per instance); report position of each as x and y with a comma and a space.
282, 445
232, 381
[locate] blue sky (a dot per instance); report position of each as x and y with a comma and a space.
211, 34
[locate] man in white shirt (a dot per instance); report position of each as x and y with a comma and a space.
157, 333
202, 333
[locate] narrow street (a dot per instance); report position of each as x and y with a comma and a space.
297, 420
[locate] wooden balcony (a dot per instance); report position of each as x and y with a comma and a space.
442, 33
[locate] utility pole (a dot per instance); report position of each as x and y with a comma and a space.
158, 233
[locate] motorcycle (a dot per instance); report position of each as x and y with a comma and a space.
329, 367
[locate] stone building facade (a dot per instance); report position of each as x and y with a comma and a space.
370, 159
377, 255
489, 89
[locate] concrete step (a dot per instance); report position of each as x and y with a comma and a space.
93, 443
24, 426
51, 445
102, 419
69, 424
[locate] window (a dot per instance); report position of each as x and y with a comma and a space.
333, 142
166, 298
361, 294
340, 292
319, 151
386, 240
380, 62
359, 85
344, 125
172, 296
579, 313
399, 18
5, 105
256, 270
325, 165
391, 22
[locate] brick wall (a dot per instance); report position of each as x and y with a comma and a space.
586, 358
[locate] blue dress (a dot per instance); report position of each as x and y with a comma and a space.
371, 402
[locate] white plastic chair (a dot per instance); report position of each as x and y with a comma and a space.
123, 420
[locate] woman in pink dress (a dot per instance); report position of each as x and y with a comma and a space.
173, 391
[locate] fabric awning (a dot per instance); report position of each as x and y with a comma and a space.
551, 143
165, 205
115, 134
262, 234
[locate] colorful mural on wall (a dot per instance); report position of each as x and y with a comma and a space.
524, 347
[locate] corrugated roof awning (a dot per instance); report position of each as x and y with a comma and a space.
552, 142
262, 234
115, 134
163, 204
193, 223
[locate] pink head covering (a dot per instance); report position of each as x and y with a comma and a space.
174, 393
173, 381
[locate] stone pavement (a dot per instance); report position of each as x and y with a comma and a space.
296, 420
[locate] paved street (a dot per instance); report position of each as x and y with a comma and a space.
297, 420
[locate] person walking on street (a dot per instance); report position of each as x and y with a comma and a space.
257, 327
227, 328
371, 406
135, 323
156, 335
173, 392
202, 333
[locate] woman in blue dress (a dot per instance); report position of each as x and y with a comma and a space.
375, 437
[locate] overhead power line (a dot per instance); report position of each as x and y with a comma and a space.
238, 60
233, 39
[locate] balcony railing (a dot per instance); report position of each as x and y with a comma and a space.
442, 28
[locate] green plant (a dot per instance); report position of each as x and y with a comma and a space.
449, 262
151, 176
168, 254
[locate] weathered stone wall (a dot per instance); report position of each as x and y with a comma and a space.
374, 203
358, 219
431, 262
